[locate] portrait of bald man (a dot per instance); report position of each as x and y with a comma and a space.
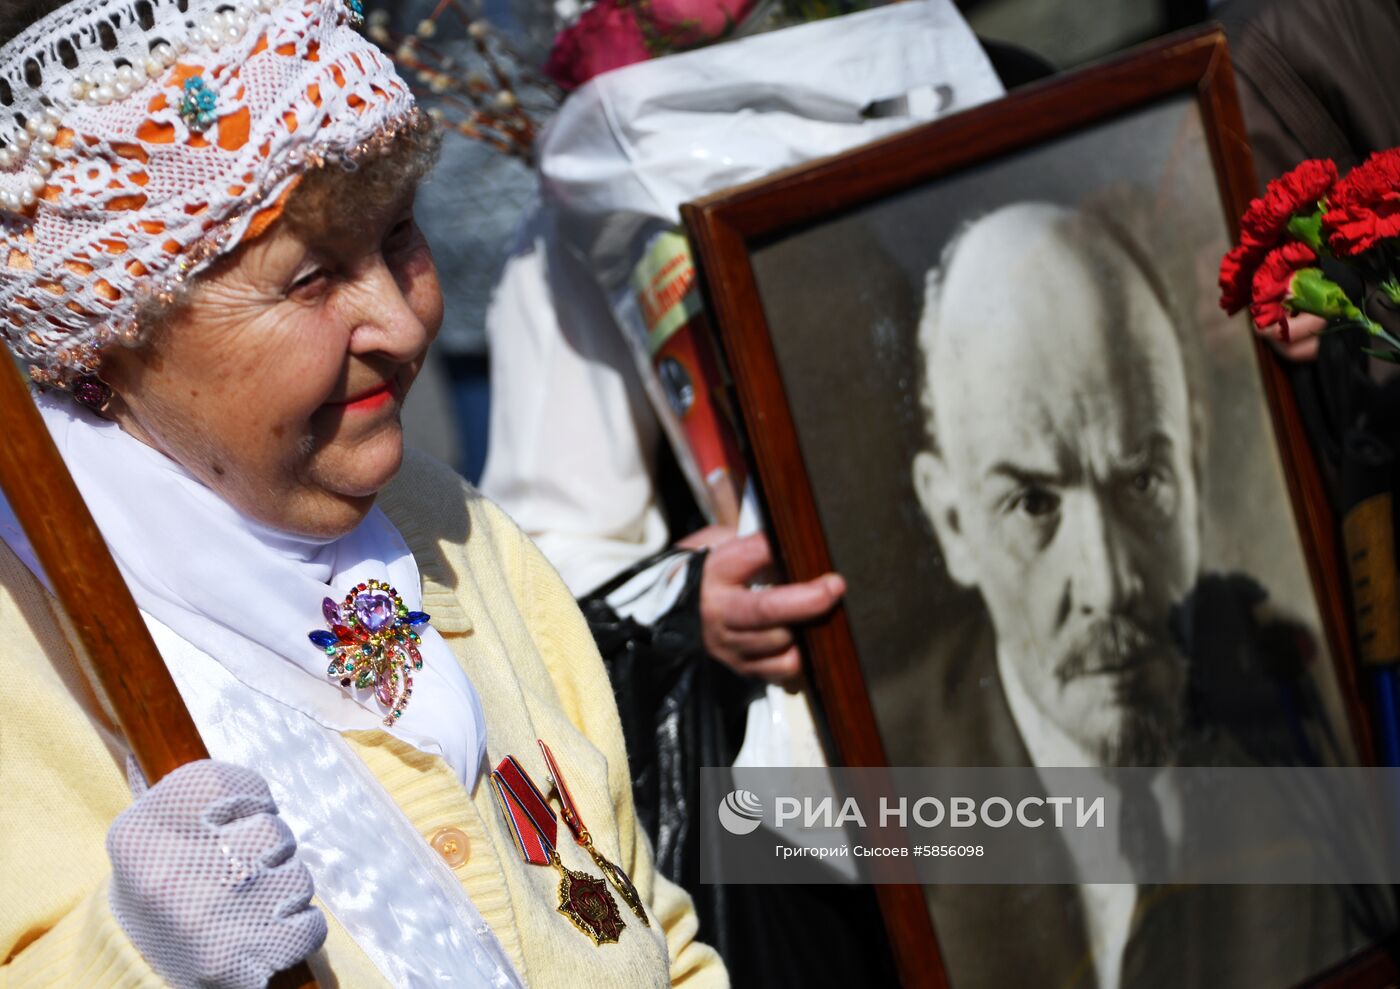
1060, 479
1061, 476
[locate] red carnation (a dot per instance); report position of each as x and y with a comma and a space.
1365, 206
1265, 224
1273, 281
1235, 277
607, 36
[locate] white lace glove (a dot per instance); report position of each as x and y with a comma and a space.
205, 882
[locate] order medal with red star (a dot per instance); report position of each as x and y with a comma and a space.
584, 899
620, 880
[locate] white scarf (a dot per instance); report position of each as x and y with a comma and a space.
230, 603
248, 595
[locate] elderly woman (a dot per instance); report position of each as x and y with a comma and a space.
213, 271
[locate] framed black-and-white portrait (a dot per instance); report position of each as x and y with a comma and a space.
983, 375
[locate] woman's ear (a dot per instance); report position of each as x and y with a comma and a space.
938, 496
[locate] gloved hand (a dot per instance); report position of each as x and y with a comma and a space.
205, 881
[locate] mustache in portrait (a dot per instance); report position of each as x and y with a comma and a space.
1152, 676
1112, 644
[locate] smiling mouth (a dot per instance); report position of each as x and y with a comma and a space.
373, 398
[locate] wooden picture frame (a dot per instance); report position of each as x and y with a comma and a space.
729, 229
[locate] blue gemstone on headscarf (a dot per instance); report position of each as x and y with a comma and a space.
197, 107
322, 638
418, 618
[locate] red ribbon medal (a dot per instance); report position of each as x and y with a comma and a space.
584, 899
620, 880
532, 820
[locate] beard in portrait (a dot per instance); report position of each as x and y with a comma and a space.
1061, 476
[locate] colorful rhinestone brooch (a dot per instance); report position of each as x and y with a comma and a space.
372, 643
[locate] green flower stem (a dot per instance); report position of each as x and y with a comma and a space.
1370, 326
1307, 228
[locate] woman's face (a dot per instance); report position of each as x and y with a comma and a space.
281, 383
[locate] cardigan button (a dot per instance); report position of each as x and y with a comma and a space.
451, 844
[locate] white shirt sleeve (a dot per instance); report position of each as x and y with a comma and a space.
573, 440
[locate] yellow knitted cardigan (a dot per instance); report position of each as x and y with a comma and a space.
511, 623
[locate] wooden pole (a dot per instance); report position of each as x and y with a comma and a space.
129, 670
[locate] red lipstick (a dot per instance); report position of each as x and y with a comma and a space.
375, 397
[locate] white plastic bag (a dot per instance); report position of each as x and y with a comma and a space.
630, 146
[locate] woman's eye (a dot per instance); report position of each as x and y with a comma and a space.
308, 284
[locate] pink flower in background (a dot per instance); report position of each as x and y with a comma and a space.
607, 36
614, 33
688, 23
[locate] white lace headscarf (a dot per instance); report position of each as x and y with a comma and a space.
142, 139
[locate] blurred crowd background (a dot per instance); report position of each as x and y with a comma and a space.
473, 204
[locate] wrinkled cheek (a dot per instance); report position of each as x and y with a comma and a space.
420, 285
267, 457
1021, 602
1184, 556
249, 432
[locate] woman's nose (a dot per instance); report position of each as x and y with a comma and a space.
386, 319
